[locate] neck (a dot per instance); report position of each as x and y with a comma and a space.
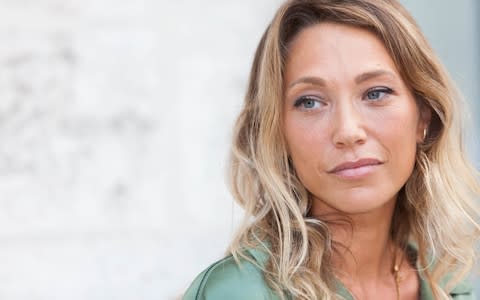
367, 251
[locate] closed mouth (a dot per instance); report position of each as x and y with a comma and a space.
355, 164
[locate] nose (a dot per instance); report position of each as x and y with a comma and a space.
349, 127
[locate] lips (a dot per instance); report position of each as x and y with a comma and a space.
361, 163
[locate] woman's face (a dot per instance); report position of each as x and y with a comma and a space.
351, 123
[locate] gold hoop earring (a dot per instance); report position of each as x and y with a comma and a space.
424, 133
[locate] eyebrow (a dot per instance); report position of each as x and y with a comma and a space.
358, 79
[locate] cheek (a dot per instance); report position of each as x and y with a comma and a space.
307, 146
401, 145
400, 131
302, 137
399, 137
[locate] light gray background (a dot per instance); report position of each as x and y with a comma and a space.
115, 119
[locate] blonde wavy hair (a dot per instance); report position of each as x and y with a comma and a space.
435, 209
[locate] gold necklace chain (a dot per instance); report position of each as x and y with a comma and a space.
397, 278
396, 273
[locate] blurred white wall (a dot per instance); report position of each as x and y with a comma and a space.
115, 120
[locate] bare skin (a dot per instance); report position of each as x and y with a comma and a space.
352, 126
366, 271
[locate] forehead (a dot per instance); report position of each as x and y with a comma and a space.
334, 51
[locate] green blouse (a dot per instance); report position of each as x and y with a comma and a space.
226, 279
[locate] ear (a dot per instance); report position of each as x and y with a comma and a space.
423, 123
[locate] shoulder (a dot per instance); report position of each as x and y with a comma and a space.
227, 279
463, 291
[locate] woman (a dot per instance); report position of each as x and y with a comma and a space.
348, 161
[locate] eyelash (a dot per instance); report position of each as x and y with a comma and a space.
386, 90
304, 99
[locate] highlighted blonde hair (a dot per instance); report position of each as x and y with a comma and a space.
435, 209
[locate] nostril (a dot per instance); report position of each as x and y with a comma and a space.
350, 137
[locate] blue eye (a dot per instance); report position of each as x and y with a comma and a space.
307, 102
378, 93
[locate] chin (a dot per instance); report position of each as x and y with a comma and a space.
356, 202
360, 209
